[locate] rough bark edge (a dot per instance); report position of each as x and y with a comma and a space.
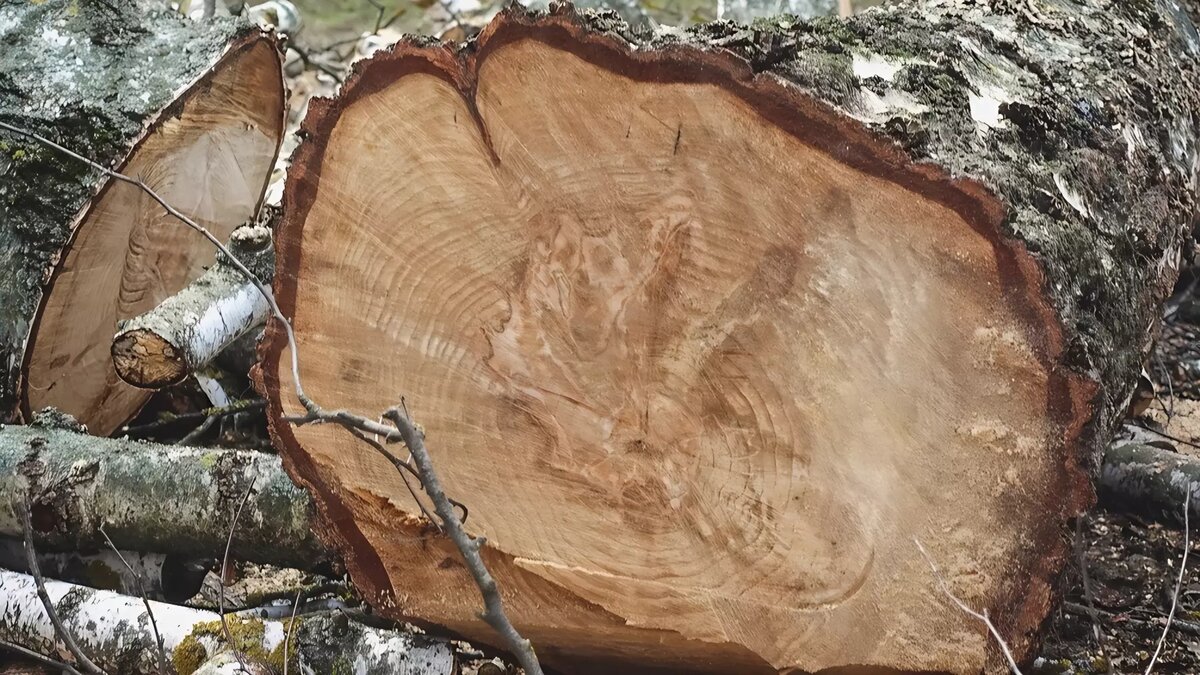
236, 48
601, 39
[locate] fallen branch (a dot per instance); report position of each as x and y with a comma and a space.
114, 630
1150, 481
161, 576
187, 330
87, 482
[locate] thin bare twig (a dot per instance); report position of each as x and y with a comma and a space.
467, 545
1012, 662
402, 467
85, 664
40, 658
1080, 555
291, 628
1187, 545
1165, 435
241, 406
195, 434
354, 424
468, 548
221, 582
162, 653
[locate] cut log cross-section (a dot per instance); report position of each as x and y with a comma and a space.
193, 109
704, 351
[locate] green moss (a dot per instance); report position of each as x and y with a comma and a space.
341, 666
275, 659
189, 655
246, 637
208, 460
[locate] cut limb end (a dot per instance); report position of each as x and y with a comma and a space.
146, 359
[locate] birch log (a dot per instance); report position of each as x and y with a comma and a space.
195, 109
706, 343
114, 631
187, 330
154, 498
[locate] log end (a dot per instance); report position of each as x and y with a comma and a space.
210, 153
702, 355
147, 360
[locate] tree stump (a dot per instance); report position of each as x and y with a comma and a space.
706, 328
193, 109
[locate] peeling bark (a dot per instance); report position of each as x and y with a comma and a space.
114, 631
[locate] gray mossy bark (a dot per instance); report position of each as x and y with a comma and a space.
154, 498
1150, 481
186, 331
114, 631
95, 76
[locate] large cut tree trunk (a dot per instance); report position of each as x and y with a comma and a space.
705, 330
193, 109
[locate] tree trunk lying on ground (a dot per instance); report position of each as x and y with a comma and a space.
185, 332
154, 498
115, 631
1150, 481
193, 109
706, 343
